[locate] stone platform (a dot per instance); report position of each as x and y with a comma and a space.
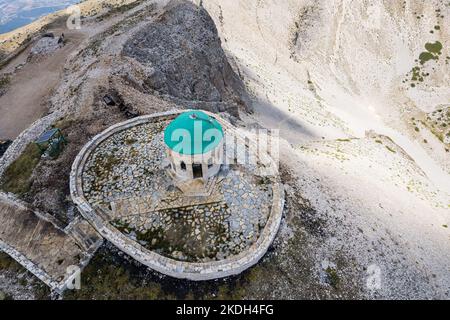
121, 186
36, 242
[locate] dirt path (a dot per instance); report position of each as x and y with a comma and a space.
27, 97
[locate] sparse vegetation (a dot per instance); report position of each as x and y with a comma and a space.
105, 164
130, 141
114, 9
390, 149
5, 296
4, 82
10, 266
7, 263
434, 47
63, 124
438, 123
433, 51
109, 277
425, 57
17, 177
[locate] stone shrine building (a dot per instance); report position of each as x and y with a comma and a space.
195, 146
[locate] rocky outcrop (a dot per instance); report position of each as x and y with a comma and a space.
183, 58
45, 46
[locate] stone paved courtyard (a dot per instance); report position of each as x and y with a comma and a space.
125, 178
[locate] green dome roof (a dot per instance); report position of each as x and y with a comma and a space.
193, 132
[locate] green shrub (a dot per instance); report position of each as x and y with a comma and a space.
434, 47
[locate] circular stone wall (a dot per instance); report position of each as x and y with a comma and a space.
120, 185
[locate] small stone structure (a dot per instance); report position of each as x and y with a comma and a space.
120, 186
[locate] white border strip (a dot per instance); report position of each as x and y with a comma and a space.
171, 267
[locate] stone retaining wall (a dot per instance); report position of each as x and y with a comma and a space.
171, 267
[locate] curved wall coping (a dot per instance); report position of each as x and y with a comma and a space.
178, 269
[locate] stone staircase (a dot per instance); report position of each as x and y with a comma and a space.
198, 188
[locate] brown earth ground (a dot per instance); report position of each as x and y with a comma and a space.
36, 80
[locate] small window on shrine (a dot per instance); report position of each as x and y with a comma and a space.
183, 166
197, 170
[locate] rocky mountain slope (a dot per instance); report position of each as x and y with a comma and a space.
371, 75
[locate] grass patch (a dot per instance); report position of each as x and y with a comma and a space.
333, 277
425, 57
17, 177
415, 73
105, 164
5, 297
9, 264
106, 279
432, 53
130, 141
4, 83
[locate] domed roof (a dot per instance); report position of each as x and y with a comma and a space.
192, 133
